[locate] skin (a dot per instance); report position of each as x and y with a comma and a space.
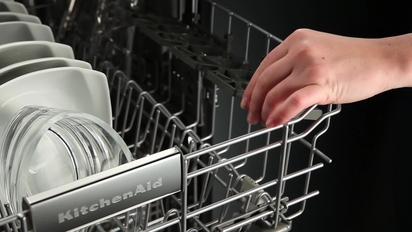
312, 67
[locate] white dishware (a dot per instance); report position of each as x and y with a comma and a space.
46, 148
12, 6
12, 16
12, 53
24, 31
68, 88
25, 67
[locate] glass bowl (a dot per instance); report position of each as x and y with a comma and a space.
44, 148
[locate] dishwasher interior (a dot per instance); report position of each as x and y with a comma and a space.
176, 76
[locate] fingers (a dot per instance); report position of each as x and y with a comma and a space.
269, 78
277, 95
294, 104
276, 54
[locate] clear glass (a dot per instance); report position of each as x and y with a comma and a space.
45, 148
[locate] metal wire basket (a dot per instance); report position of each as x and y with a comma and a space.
154, 126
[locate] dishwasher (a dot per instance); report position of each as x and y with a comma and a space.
175, 81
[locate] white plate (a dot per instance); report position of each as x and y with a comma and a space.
24, 31
21, 51
11, 16
19, 69
12, 7
68, 88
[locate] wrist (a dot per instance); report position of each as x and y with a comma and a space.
397, 53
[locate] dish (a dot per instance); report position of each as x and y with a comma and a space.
19, 69
69, 88
21, 51
12, 7
24, 31
46, 148
12, 16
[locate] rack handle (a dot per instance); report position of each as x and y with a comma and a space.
103, 195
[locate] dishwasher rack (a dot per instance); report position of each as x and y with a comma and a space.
152, 125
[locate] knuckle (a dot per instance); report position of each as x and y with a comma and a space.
306, 50
296, 101
262, 82
300, 34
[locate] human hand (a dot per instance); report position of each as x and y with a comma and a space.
312, 67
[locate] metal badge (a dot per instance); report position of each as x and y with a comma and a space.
105, 194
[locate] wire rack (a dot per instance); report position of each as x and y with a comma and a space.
151, 118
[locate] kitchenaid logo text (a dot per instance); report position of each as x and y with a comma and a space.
102, 203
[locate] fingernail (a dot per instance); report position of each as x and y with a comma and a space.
250, 118
244, 102
270, 122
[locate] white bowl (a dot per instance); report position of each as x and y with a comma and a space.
24, 31
12, 53
11, 6
12, 16
25, 67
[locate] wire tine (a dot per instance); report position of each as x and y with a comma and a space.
311, 158
4, 214
117, 106
119, 224
292, 127
265, 160
10, 212
247, 41
137, 219
205, 185
127, 219
24, 224
126, 113
209, 187
162, 207
139, 123
267, 43
192, 148
99, 228
213, 123
249, 199
212, 18
172, 137
226, 206
135, 105
147, 216
155, 131
281, 172
165, 132
249, 129
169, 79
229, 28
150, 117
198, 100
182, 104
229, 132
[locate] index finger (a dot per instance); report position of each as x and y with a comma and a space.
276, 54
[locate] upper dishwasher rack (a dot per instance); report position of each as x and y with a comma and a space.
156, 130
